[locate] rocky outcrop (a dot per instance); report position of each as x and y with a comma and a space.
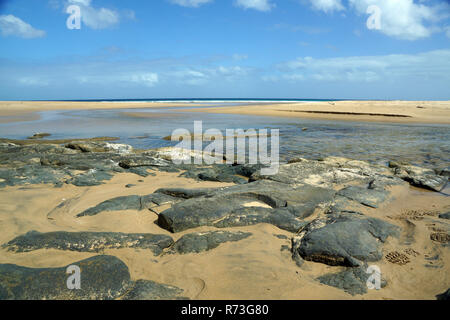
91, 146
343, 239
351, 280
419, 177
150, 290
102, 278
364, 195
330, 172
88, 241
261, 201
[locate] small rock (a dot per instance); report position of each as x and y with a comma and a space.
204, 241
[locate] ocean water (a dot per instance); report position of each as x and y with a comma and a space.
424, 145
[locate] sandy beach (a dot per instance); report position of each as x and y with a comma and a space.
378, 111
46, 184
437, 112
253, 268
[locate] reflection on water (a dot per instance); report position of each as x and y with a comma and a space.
426, 145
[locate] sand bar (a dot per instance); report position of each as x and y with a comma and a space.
374, 111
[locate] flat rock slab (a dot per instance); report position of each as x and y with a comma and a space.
329, 173
419, 177
281, 218
351, 280
102, 278
365, 196
132, 202
88, 241
232, 206
203, 241
91, 178
150, 290
343, 240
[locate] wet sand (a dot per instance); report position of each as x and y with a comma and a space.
15, 111
254, 268
432, 112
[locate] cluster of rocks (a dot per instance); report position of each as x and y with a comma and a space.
103, 278
341, 189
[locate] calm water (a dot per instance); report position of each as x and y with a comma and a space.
426, 145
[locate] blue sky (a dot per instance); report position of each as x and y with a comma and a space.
226, 48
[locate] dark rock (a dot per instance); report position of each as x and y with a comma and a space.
227, 206
186, 193
30, 174
91, 178
39, 135
445, 215
444, 296
203, 241
157, 199
142, 161
132, 202
218, 173
419, 177
297, 259
280, 218
88, 241
342, 204
329, 173
368, 197
99, 146
351, 280
130, 185
150, 290
343, 239
102, 278
141, 171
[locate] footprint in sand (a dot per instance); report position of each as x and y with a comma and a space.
397, 258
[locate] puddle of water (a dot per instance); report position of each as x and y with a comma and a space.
425, 145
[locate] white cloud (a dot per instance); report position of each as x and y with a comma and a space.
191, 3
402, 19
146, 79
96, 18
13, 26
33, 81
203, 76
260, 5
149, 79
424, 66
327, 5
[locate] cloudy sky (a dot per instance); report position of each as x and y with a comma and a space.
361, 49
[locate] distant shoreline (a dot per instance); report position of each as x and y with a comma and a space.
426, 112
